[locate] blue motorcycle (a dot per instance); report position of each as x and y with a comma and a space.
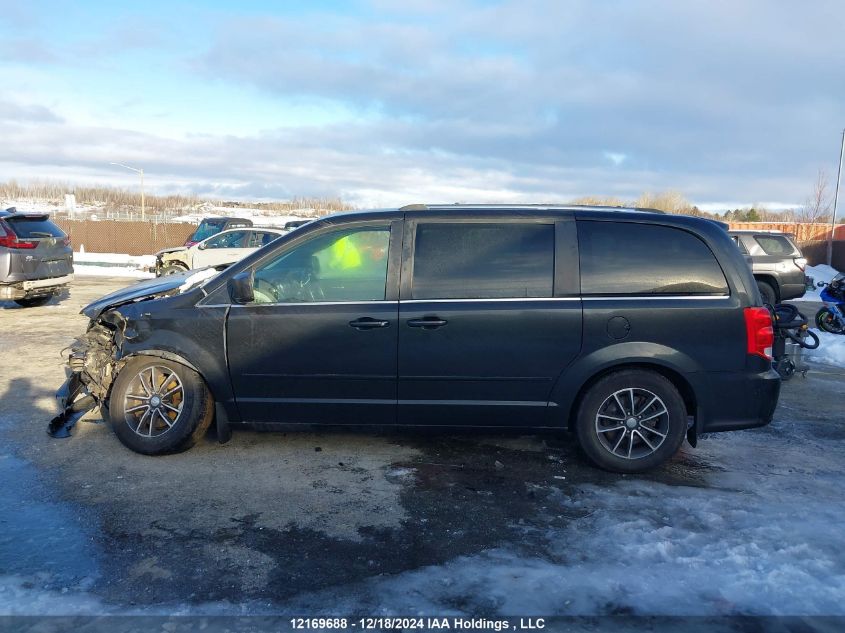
831, 318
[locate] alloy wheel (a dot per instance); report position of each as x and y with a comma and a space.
632, 423
153, 401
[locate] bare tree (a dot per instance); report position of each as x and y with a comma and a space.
818, 206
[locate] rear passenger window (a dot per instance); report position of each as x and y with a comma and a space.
624, 258
483, 261
774, 244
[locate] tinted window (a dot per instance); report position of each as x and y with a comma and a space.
34, 228
260, 238
775, 244
348, 265
483, 261
623, 258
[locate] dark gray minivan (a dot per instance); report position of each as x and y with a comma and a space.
631, 328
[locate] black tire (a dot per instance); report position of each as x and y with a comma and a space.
34, 302
825, 320
173, 269
196, 406
769, 294
673, 423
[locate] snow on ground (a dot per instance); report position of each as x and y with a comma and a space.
46, 206
642, 547
113, 265
831, 349
822, 272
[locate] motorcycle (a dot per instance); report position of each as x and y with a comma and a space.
831, 318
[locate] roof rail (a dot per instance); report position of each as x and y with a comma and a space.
462, 205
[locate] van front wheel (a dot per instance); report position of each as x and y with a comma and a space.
631, 421
158, 406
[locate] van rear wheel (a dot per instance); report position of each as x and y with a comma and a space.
631, 421
157, 406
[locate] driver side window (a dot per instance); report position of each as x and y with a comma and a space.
345, 265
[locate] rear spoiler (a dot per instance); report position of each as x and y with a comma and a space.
13, 214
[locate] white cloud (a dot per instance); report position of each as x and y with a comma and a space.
468, 101
617, 158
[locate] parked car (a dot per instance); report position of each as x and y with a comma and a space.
36, 259
220, 249
439, 316
213, 226
777, 264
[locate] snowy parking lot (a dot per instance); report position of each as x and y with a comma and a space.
403, 523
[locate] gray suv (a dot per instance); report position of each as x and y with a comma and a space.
36, 259
777, 263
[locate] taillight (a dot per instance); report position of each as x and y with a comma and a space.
9, 238
12, 241
759, 332
801, 262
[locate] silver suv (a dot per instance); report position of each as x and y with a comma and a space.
36, 259
777, 263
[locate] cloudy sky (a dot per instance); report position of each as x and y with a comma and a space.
385, 103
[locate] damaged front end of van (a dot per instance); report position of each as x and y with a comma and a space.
96, 357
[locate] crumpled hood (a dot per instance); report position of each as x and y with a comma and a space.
145, 289
171, 250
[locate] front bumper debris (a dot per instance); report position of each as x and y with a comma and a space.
91, 365
74, 401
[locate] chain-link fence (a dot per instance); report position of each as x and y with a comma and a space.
132, 238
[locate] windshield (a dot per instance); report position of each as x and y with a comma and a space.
207, 228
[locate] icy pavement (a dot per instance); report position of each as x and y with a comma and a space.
758, 534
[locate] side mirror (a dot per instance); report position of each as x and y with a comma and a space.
202, 246
240, 288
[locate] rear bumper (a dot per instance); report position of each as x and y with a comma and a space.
21, 289
731, 401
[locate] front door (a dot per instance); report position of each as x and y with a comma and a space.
318, 344
489, 318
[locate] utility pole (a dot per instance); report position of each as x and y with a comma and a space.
835, 204
141, 172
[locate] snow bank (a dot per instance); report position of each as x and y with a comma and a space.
822, 272
831, 349
113, 265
